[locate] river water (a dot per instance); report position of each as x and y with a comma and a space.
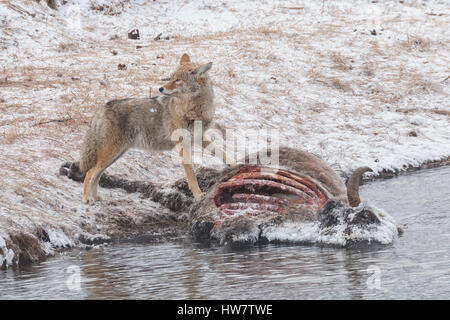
415, 266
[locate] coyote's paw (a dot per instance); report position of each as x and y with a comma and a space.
91, 200
199, 196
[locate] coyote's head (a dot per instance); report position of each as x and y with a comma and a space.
188, 79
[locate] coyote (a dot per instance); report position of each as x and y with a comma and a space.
148, 124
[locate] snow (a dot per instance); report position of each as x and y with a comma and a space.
58, 239
311, 69
7, 257
339, 234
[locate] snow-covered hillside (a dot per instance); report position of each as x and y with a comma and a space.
356, 82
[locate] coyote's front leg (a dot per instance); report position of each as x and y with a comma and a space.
190, 175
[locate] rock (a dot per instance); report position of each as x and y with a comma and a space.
122, 66
114, 52
52, 4
158, 37
134, 34
94, 240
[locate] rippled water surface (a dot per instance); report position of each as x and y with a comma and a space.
416, 266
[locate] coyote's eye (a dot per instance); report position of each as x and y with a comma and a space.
178, 80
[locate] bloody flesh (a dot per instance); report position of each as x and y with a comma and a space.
254, 190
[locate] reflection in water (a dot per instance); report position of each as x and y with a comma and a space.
415, 266
101, 278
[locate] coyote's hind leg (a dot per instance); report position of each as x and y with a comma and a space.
105, 158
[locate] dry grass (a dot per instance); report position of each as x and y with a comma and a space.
319, 107
419, 85
415, 43
369, 69
243, 35
12, 107
379, 95
11, 136
339, 83
340, 62
375, 49
67, 46
334, 82
21, 189
441, 112
313, 73
416, 110
110, 10
416, 82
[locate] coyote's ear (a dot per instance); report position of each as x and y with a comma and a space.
185, 59
202, 69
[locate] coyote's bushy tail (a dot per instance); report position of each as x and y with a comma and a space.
77, 170
88, 152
